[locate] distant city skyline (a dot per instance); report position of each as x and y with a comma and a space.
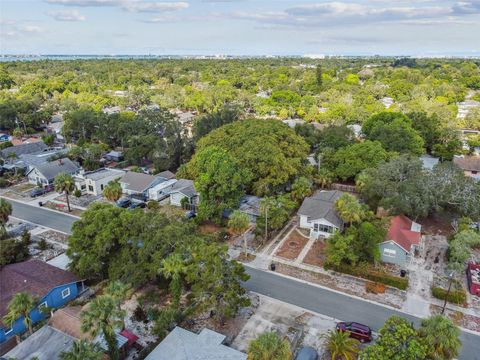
240, 27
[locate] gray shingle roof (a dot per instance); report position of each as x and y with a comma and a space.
138, 182
46, 344
185, 187
321, 205
166, 175
182, 344
53, 168
29, 148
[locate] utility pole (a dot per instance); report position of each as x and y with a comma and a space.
450, 278
266, 222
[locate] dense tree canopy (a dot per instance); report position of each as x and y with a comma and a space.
270, 153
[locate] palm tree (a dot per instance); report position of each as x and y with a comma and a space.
173, 267
113, 191
301, 188
441, 336
324, 178
350, 209
269, 346
104, 317
341, 346
118, 290
11, 158
361, 180
20, 305
82, 350
65, 183
5, 211
239, 222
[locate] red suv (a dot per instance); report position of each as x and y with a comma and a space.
357, 331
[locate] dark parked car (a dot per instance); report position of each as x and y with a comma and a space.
123, 202
307, 353
37, 192
135, 205
357, 331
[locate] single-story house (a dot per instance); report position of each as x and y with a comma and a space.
47, 343
403, 237
29, 148
250, 205
183, 188
44, 174
318, 214
113, 155
134, 183
93, 182
162, 190
182, 344
54, 288
469, 164
429, 161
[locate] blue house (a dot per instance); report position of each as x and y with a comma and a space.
53, 287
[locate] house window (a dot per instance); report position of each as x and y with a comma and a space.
9, 331
90, 188
65, 293
101, 187
83, 187
43, 305
389, 252
322, 228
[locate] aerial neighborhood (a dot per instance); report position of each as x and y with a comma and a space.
252, 208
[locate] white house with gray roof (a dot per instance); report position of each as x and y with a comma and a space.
182, 344
183, 188
44, 174
93, 182
318, 214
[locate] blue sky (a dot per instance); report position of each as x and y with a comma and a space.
240, 27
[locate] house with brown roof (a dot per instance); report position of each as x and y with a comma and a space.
53, 287
469, 164
403, 238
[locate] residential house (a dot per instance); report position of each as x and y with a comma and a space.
469, 164
56, 126
28, 148
403, 238
93, 182
183, 189
167, 175
181, 344
250, 205
162, 190
428, 161
134, 183
45, 174
318, 214
464, 108
113, 155
54, 288
47, 343
387, 101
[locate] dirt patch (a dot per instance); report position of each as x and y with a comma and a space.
438, 224
345, 283
209, 228
316, 255
292, 246
62, 208
54, 236
460, 319
245, 259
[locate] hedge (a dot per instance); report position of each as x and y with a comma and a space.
365, 273
455, 296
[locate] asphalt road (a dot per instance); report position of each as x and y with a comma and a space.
309, 297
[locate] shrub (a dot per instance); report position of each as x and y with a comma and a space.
372, 275
457, 296
374, 288
153, 205
4, 183
43, 245
77, 193
139, 314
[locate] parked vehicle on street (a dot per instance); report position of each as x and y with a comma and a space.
137, 204
37, 192
357, 331
124, 202
190, 214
